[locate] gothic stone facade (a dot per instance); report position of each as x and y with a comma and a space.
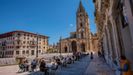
78, 41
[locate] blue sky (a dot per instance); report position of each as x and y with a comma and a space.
53, 18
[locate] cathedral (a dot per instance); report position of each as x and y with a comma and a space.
81, 39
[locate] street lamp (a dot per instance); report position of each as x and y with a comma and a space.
60, 47
36, 45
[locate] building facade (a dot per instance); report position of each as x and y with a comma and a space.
52, 48
79, 41
114, 20
94, 42
22, 44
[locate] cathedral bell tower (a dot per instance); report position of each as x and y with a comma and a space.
82, 23
82, 29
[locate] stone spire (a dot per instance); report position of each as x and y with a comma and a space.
80, 8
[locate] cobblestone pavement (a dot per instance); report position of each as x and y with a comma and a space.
97, 66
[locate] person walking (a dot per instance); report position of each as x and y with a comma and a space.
124, 66
91, 55
99, 54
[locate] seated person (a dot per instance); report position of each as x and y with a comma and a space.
43, 67
26, 65
58, 61
33, 65
54, 66
21, 66
64, 62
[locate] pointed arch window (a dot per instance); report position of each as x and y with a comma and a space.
81, 25
82, 35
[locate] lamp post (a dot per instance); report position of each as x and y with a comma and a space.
60, 47
36, 45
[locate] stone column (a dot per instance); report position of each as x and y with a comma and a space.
116, 46
110, 47
78, 46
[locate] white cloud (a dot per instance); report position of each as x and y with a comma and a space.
71, 25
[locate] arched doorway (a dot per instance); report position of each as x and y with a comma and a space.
74, 46
65, 49
82, 47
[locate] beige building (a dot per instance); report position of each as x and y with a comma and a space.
52, 48
80, 40
114, 19
94, 42
22, 43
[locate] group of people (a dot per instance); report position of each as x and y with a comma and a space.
57, 61
25, 65
53, 64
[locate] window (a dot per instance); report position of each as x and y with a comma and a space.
32, 52
9, 52
28, 42
6, 53
23, 42
27, 52
82, 35
123, 21
81, 25
18, 34
131, 4
18, 42
17, 47
23, 46
123, 18
12, 52
24, 34
23, 52
17, 52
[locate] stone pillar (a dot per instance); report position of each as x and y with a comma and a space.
116, 46
105, 48
109, 45
78, 46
